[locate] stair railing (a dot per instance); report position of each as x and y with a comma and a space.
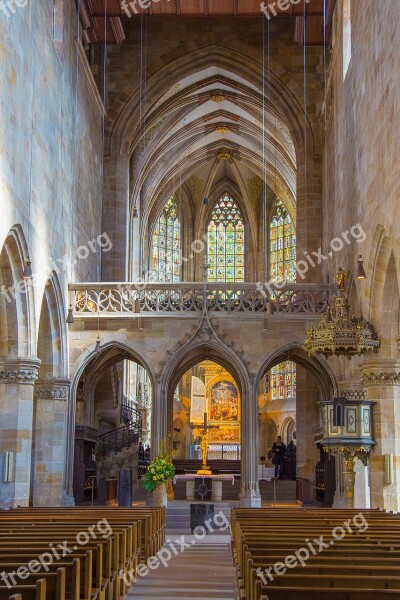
121, 438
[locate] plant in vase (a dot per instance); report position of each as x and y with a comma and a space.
159, 471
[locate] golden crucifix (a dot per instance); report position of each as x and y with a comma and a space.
203, 432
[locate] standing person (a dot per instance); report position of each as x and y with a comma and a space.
278, 451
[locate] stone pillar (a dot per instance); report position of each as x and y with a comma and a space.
49, 441
382, 381
362, 492
250, 493
17, 379
349, 453
339, 500
159, 416
307, 421
349, 478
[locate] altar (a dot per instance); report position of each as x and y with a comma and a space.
193, 480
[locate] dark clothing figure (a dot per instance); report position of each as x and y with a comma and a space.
141, 451
278, 456
290, 461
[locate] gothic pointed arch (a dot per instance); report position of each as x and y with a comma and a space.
52, 334
318, 367
17, 297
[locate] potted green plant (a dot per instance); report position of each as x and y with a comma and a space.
159, 471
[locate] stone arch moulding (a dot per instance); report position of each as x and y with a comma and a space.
284, 429
89, 356
317, 366
20, 307
204, 344
54, 341
384, 260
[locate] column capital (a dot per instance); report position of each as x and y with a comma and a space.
380, 372
17, 371
52, 389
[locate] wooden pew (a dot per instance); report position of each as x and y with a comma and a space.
137, 532
363, 563
27, 592
54, 583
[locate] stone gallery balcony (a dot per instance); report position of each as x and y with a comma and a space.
185, 299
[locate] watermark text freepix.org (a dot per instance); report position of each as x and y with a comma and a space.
59, 265
56, 552
173, 548
315, 258
312, 548
9, 6
281, 5
134, 6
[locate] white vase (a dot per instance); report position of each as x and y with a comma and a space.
160, 495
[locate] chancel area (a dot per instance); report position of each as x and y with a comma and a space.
199, 299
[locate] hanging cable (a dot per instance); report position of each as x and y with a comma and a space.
99, 266
70, 317
263, 170
305, 113
305, 125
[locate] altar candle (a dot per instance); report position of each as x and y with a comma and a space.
205, 419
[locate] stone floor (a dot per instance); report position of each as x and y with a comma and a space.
204, 571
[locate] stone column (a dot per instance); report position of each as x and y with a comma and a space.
17, 379
362, 492
349, 453
250, 492
307, 421
339, 500
158, 417
50, 441
382, 380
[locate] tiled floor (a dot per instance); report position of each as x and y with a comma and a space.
203, 571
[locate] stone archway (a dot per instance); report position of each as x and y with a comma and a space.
18, 369
93, 365
51, 401
315, 382
381, 373
206, 345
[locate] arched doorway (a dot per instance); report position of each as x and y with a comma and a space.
50, 407
112, 427
232, 370
290, 387
209, 389
207, 393
19, 367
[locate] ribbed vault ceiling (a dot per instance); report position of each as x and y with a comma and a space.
205, 133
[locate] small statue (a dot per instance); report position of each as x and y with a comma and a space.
341, 279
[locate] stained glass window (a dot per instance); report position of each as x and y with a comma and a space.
167, 245
226, 242
283, 380
283, 246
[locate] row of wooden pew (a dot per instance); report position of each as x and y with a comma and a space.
363, 565
87, 553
